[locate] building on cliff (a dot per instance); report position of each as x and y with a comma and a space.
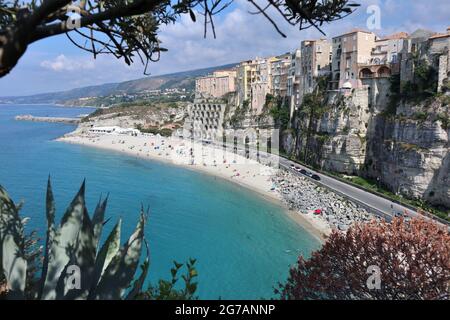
315, 62
385, 57
361, 130
216, 85
293, 82
440, 46
349, 51
261, 85
259, 77
204, 120
280, 69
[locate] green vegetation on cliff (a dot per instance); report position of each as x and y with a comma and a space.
278, 110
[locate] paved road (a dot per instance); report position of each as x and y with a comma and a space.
379, 205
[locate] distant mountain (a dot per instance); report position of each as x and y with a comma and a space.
185, 79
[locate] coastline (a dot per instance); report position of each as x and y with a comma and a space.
45, 104
245, 173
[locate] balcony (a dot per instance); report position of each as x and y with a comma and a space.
370, 72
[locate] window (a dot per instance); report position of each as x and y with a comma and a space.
394, 58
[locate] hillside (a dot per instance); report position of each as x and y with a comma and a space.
179, 80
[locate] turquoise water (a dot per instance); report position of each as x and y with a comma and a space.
243, 243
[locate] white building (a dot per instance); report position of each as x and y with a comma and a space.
115, 130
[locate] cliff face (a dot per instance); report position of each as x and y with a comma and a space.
346, 125
406, 148
410, 152
336, 141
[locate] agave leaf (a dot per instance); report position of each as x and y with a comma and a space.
98, 220
108, 251
50, 213
137, 286
120, 272
110, 248
84, 258
60, 289
63, 243
13, 262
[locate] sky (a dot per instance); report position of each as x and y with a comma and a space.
54, 64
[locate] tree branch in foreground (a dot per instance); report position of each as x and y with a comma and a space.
129, 29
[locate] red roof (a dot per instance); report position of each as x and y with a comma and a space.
440, 35
398, 35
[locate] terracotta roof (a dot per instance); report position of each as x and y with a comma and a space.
396, 36
440, 35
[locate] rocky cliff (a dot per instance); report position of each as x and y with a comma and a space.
409, 151
404, 146
336, 139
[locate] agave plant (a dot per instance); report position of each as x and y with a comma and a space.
105, 272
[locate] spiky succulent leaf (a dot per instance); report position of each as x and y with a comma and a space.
13, 262
84, 259
64, 242
98, 220
137, 286
50, 205
120, 272
108, 251
50, 213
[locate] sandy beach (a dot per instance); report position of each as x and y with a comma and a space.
204, 158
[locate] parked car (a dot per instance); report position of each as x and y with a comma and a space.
303, 171
398, 214
292, 166
298, 169
315, 177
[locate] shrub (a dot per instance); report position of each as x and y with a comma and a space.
412, 258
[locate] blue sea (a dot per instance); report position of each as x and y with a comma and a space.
243, 244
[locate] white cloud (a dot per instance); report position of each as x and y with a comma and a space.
63, 63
